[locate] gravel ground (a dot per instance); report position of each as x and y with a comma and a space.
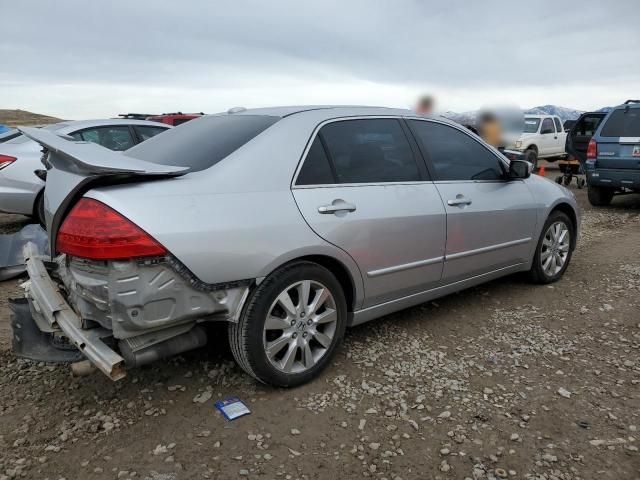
507, 380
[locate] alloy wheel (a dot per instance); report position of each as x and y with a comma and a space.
555, 248
300, 326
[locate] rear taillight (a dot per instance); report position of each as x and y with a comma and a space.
6, 160
592, 150
95, 231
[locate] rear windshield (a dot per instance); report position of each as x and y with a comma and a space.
622, 124
203, 142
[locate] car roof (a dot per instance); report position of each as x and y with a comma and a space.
335, 111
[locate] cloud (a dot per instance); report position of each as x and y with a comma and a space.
79, 59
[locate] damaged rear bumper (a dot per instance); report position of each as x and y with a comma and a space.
48, 304
125, 314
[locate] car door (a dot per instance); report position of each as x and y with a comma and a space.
490, 220
580, 134
363, 188
548, 137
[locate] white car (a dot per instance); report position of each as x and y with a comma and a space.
543, 137
21, 190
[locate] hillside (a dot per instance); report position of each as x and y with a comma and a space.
14, 118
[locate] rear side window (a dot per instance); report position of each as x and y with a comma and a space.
622, 123
370, 151
558, 125
316, 169
145, 132
113, 138
454, 154
203, 142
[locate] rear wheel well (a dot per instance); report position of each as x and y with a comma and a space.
340, 272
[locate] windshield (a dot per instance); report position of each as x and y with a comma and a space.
531, 125
622, 123
201, 143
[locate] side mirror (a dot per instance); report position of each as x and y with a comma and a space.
520, 169
545, 131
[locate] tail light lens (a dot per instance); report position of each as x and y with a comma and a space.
95, 231
592, 150
6, 160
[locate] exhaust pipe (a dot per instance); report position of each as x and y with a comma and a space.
194, 338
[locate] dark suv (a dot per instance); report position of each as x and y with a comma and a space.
613, 154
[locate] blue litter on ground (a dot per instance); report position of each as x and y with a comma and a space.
232, 408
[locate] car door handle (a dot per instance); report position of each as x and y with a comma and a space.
337, 206
458, 201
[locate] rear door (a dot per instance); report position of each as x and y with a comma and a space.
363, 188
490, 220
619, 140
580, 134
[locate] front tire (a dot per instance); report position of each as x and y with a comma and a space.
554, 249
291, 326
599, 196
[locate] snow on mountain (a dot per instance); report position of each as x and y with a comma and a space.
563, 112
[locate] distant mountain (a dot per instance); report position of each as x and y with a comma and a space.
563, 112
14, 118
471, 117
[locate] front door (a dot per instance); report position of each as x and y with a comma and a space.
490, 220
362, 189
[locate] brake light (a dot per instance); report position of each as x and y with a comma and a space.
6, 160
95, 231
592, 150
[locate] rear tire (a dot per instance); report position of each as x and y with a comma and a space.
599, 196
554, 249
283, 339
38, 209
531, 156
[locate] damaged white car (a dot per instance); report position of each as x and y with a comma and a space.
289, 224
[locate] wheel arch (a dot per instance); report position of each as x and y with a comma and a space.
569, 211
533, 147
347, 274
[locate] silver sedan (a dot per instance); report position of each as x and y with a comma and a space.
289, 224
21, 189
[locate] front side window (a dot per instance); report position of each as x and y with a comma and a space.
547, 126
455, 155
370, 151
114, 138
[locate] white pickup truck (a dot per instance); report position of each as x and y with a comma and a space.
542, 137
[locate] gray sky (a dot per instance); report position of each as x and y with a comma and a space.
81, 59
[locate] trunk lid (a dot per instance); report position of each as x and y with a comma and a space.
74, 167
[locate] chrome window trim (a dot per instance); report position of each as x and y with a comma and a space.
314, 134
